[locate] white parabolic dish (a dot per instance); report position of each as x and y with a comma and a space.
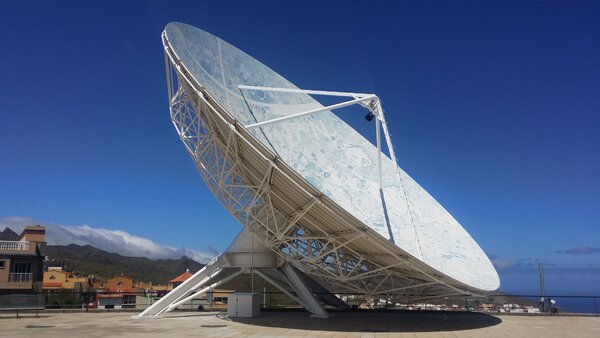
335, 159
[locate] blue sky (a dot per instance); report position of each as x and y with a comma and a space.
494, 108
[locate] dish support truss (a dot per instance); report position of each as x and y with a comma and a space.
305, 230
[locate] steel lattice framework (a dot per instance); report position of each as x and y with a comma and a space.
299, 224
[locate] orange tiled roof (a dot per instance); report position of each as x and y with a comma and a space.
182, 278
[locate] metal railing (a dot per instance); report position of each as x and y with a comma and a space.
20, 277
272, 300
14, 246
22, 303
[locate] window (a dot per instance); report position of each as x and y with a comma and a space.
2, 264
21, 267
128, 299
52, 278
119, 283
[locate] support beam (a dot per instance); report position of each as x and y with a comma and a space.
246, 256
183, 290
312, 111
408, 287
206, 289
369, 101
278, 286
304, 91
308, 298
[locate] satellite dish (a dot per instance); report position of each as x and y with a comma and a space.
322, 207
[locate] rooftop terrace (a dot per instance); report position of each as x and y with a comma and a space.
281, 324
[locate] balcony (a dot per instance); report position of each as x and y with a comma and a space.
14, 245
20, 277
18, 247
17, 281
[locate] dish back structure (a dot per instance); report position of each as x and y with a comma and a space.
323, 210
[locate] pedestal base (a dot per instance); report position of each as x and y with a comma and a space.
246, 255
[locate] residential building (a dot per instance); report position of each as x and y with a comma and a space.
121, 283
120, 293
22, 259
58, 279
99, 285
175, 282
54, 279
153, 289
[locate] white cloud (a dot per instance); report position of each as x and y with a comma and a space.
116, 241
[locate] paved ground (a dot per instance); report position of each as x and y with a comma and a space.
281, 324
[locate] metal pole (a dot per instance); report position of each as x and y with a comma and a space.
542, 287
378, 132
313, 111
304, 91
252, 261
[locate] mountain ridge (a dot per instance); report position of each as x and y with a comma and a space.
86, 260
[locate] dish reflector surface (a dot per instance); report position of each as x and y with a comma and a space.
333, 157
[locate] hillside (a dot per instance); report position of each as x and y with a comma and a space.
88, 260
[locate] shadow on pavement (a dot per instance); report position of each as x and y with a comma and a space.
397, 321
